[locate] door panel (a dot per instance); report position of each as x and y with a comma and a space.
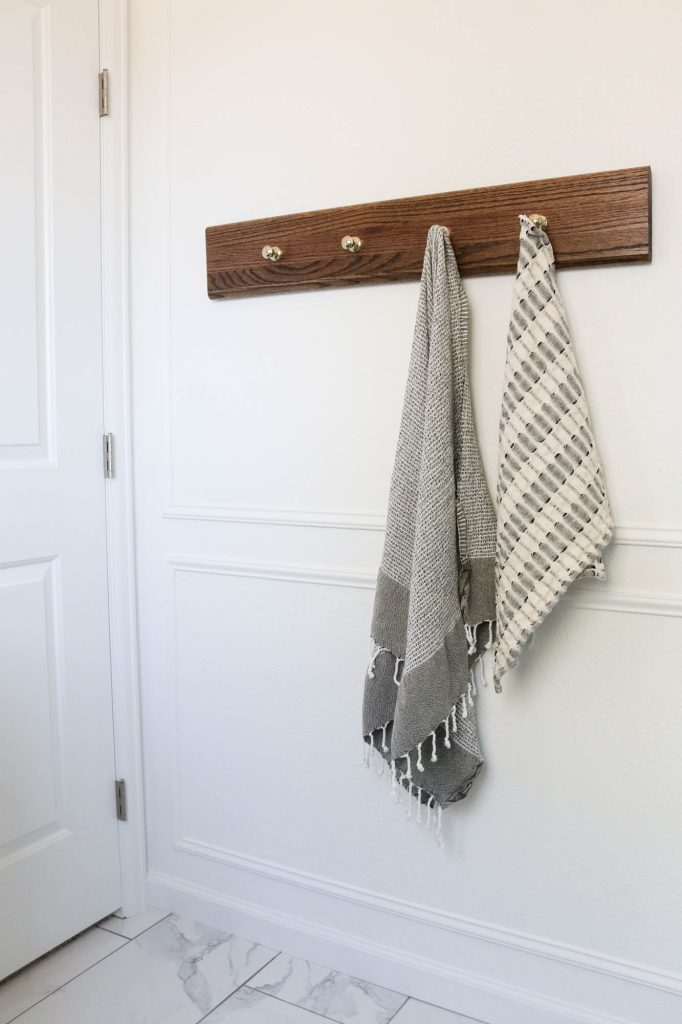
24, 257
59, 868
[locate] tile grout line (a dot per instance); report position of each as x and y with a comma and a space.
285, 1002
243, 984
322, 1015
126, 942
400, 1008
453, 1013
315, 1013
133, 937
80, 973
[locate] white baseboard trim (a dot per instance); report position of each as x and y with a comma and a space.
551, 991
432, 916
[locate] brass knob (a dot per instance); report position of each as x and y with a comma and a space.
351, 243
272, 253
539, 221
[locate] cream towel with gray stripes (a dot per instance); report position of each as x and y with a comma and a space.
435, 595
553, 518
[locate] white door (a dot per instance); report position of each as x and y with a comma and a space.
59, 864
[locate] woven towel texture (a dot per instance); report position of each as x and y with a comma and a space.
436, 582
553, 518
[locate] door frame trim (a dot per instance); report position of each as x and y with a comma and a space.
114, 162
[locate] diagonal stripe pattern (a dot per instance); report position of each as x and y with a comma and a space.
553, 518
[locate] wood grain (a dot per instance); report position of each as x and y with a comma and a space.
594, 220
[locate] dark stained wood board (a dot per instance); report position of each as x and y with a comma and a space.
594, 220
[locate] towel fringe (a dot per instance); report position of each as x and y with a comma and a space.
471, 632
376, 651
402, 780
449, 724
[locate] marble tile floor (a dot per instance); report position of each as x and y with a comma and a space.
158, 968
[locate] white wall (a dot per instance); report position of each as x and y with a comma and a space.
264, 436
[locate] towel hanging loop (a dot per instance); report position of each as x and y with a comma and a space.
539, 221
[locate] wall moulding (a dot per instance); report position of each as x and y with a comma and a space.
314, 517
593, 595
635, 535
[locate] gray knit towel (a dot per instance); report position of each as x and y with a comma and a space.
553, 516
435, 595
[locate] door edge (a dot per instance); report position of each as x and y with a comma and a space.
119, 507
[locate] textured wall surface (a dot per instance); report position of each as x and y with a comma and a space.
264, 436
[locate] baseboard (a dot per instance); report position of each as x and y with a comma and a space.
434, 917
489, 982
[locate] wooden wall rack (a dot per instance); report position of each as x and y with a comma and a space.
594, 220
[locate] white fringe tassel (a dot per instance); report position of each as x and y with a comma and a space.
470, 632
465, 701
376, 651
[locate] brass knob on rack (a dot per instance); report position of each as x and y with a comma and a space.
272, 253
351, 243
539, 221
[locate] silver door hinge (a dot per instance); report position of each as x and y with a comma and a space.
108, 442
121, 800
104, 93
